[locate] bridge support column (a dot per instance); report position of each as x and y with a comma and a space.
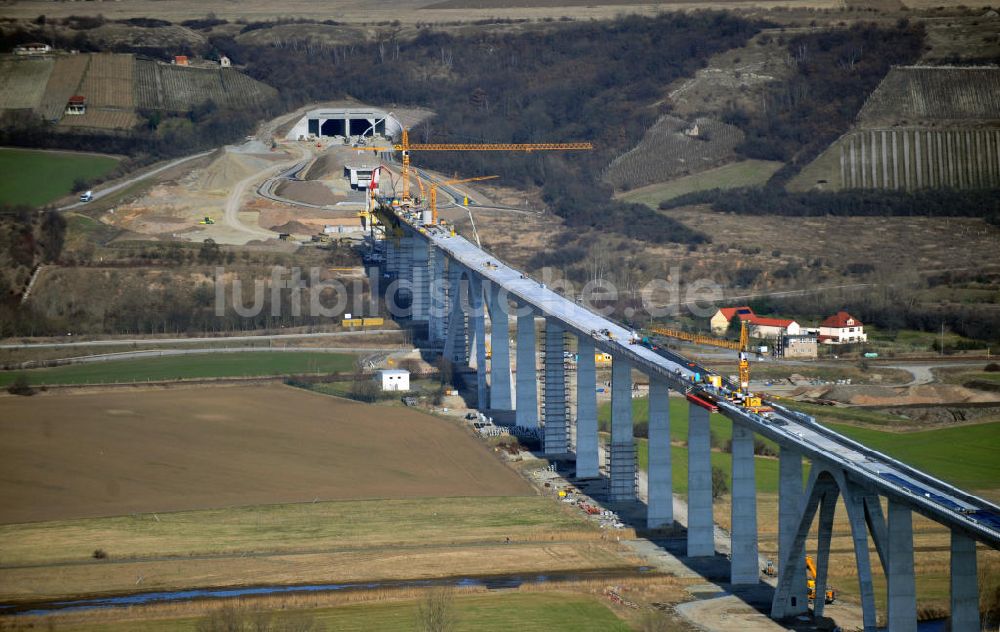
744, 566
964, 584
827, 508
420, 289
527, 378
438, 315
789, 512
456, 341
391, 256
659, 488
477, 322
700, 529
621, 457
587, 465
500, 397
902, 591
554, 402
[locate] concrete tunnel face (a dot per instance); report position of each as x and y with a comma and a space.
327, 123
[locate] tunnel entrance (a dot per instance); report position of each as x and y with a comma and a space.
361, 127
333, 127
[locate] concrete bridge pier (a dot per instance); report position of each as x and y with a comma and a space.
500, 388
621, 451
526, 408
700, 533
964, 584
456, 338
438, 288
587, 460
659, 490
743, 544
420, 284
477, 323
554, 400
790, 497
902, 591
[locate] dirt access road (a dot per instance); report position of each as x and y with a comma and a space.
114, 453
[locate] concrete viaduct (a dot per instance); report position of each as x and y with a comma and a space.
455, 286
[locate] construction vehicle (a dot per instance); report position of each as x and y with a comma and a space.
405, 147
742, 395
206, 221
831, 594
769, 570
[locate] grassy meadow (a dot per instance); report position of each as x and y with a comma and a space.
36, 178
208, 365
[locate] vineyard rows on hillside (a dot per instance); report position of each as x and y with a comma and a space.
913, 94
63, 83
108, 82
669, 149
178, 89
22, 82
102, 119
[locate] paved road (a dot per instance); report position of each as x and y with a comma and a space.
98, 194
155, 341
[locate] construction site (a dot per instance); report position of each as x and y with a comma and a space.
553, 456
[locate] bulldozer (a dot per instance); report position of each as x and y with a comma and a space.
831, 594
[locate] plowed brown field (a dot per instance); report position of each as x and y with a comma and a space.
114, 453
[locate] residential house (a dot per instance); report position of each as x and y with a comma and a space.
841, 328
772, 328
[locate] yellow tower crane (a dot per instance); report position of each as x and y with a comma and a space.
406, 147
434, 188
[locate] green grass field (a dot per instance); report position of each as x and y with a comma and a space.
739, 174
965, 456
38, 177
765, 470
248, 363
524, 611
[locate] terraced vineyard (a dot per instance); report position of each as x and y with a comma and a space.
667, 151
902, 158
108, 82
159, 86
921, 93
63, 82
22, 82
102, 119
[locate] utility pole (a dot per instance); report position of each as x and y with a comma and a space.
942, 339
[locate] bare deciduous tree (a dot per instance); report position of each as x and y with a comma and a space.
435, 613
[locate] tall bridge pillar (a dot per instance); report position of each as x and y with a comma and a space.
621, 451
789, 512
659, 488
438, 315
420, 287
456, 340
587, 465
554, 400
477, 322
526, 413
964, 584
700, 533
744, 567
500, 396
902, 591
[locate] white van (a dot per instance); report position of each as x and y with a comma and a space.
88, 196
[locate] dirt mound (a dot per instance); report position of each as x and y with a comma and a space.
938, 415
864, 395
227, 170
310, 192
293, 227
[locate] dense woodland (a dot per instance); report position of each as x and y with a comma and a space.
774, 200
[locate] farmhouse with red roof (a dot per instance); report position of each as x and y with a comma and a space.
842, 328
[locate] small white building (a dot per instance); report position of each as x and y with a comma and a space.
225, 62
394, 379
840, 329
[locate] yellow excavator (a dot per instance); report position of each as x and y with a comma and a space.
831, 594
